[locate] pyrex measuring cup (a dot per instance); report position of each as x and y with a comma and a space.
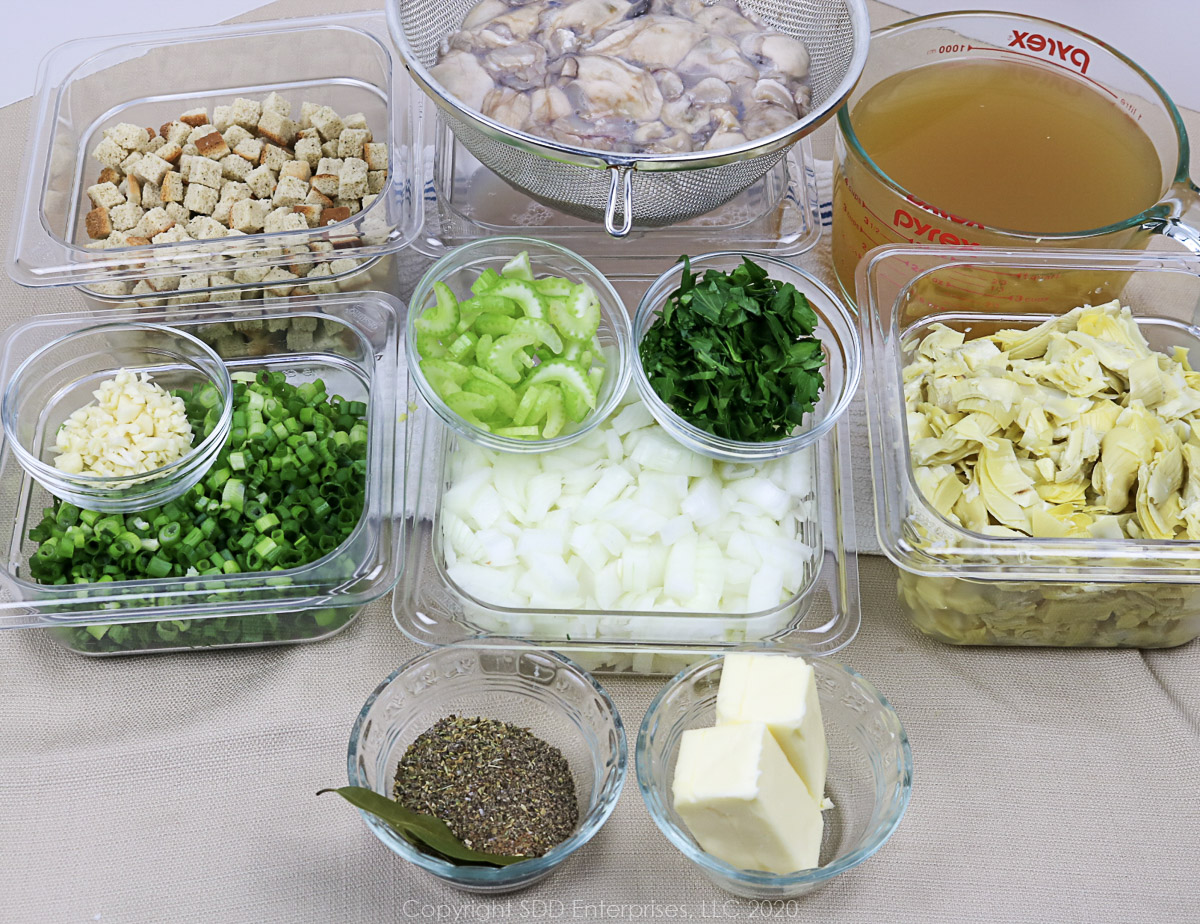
870, 208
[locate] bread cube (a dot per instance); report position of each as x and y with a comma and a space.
250, 149
246, 113
205, 172
277, 103
249, 275
376, 156
342, 266
98, 223
191, 149
249, 215
222, 117
126, 216
212, 146
315, 197
224, 213
352, 179
376, 181
129, 136
175, 132
170, 152
261, 181
151, 168
306, 111
289, 191
326, 184
327, 122
203, 228
153, 145
202, 199
193, 281
333, 214
355, 120
130, 161
284, 219
233, 191
319, 280
105, 194
109, 153
234, 167
298, 169
310, 211
195, 117
178, 213
155, 222
185, 165
353, 206
109, 175
172, 235
309, 150
329, 148
164, 283
235, 135
199, 132
172, 188
277, 127
113, 289
274, 157
351, 142
151, 196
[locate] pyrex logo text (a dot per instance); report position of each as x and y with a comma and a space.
1035, 41
906, 221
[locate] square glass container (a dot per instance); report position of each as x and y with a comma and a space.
349, 341
465, 201
963, 587
86, 86
820, 618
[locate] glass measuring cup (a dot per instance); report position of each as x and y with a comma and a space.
870, 208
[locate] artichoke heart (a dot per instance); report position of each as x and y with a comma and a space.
1006, 489
1123, 451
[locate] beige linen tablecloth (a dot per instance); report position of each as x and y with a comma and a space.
1050, 786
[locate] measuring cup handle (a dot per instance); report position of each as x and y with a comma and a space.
620, 178
1183, 224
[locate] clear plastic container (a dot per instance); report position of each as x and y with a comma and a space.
351, 342
819, 618
963, 587
92, 84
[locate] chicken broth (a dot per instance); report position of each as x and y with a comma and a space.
1009, 145
648, 76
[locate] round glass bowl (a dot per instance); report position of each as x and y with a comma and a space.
512, 682
869, 778
462, 266
59, 378
836, 329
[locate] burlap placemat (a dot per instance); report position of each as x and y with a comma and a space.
1050, 786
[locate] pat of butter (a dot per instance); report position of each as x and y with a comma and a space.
743, 802
780, 691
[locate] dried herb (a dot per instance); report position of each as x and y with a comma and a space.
499, 788
419, 830
733, 353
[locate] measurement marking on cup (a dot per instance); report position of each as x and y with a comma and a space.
1040, 60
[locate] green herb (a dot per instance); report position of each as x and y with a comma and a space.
499, 788
419, 830
287, 489
733, 354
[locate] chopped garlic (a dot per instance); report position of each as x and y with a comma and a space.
134, 426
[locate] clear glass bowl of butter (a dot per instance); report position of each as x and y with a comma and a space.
868, 779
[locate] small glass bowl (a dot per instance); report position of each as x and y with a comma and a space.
58, 379
513, 682
836, 329
462, 266
869, 779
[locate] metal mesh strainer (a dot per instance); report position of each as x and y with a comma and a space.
648, 190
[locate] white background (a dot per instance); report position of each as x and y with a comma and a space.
1163, 36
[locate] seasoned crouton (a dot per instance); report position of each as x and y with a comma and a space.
130, 162
109, 153
172, 188
249, 215
277, 128
155, 222
224, 212
129, 136
172, 235
212, 146
249, 275
151, 168
352, 179
222, 117
289, 191
277, 277
306, 111
278, 103
246, 112
351, 141
105, 194
274, 157
151, 195
376, 156
355, 120
205, 172
195, 117
329, 148
297, 168
98, 223
376, 181
170, 152
109, 175
309, 150
316, 197
234, 167
202, 199
354, 205
199, 132
235, 135
261, 181
175, 132
310, 211
233, 191
333, 214
327, 122
326, 184
250, 149
284, 219
178, 213
203, 228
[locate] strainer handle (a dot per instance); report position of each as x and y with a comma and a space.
621, 177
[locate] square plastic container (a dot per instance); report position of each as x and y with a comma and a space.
963, 587
821, 617
349, 341
86, 86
